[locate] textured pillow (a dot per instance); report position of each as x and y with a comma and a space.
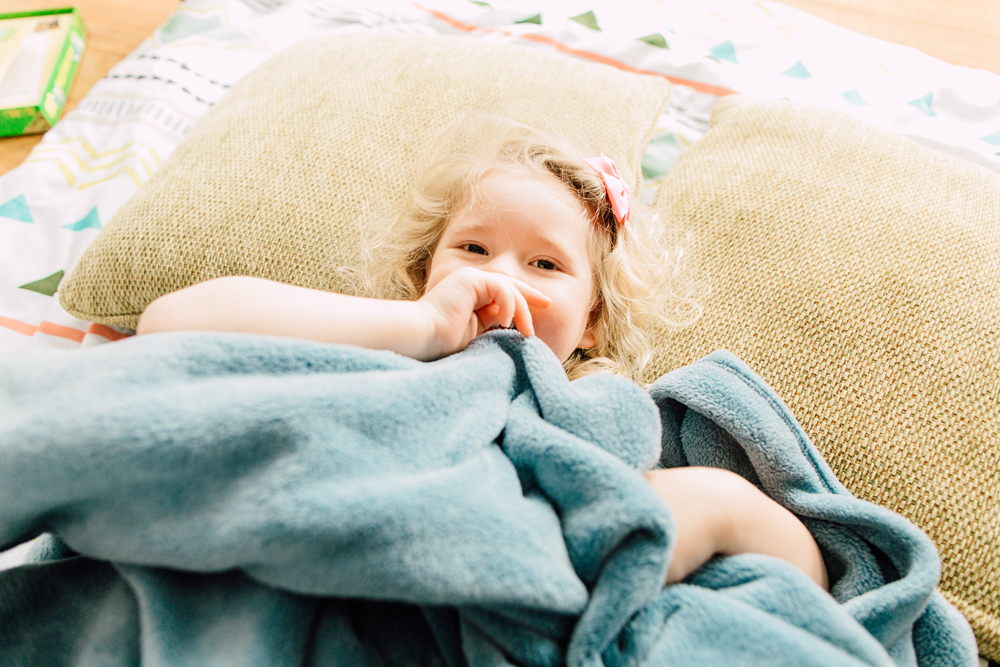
273, 180
859, 274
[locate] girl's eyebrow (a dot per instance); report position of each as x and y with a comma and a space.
469, 228
552, 244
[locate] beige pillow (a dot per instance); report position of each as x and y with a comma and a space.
859, 274
274, 179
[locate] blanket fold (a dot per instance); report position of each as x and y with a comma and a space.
229, 499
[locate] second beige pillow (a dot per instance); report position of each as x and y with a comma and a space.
859, 274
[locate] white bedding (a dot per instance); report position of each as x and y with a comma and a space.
92, 161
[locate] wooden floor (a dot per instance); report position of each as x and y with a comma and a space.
963, 32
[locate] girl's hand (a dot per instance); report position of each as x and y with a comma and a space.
719, 512
470, 301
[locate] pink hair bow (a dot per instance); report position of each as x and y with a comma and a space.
615, 186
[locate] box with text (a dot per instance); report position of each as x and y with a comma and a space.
39, 55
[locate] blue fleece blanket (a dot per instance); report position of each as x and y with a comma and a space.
226, 499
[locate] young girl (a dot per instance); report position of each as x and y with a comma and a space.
515, 230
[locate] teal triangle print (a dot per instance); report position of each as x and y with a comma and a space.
660, 155
992, 139
46, 286
587, 19
797, 71
179, 26
537, 19
854, 97
725, 51
89, 221
924, 104
16, 208
656, 39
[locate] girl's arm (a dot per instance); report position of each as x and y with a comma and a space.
719, 512
445, 320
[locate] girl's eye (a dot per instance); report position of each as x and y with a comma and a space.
545, 265
474, 248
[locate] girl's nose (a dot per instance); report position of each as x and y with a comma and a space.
505, 264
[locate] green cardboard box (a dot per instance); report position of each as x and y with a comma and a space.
39, 54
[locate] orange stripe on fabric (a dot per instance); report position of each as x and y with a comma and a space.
44, 327
718, 91
106, 332
61, 332
19, 327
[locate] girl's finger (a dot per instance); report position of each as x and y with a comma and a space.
500, 299
504, 294
532, 296
522, 314
512, 296
488, 316
495, 287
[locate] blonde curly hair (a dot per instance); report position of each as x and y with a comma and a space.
638, 286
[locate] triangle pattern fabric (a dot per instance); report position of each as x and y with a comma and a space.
660, 155
89, 221
992, 139
924, 104
537, 19
797, 71
588, 19
179, 26
854, 97
46, 286
656, 39
725, 51
17, 208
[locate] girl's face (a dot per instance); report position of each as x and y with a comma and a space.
531, 230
